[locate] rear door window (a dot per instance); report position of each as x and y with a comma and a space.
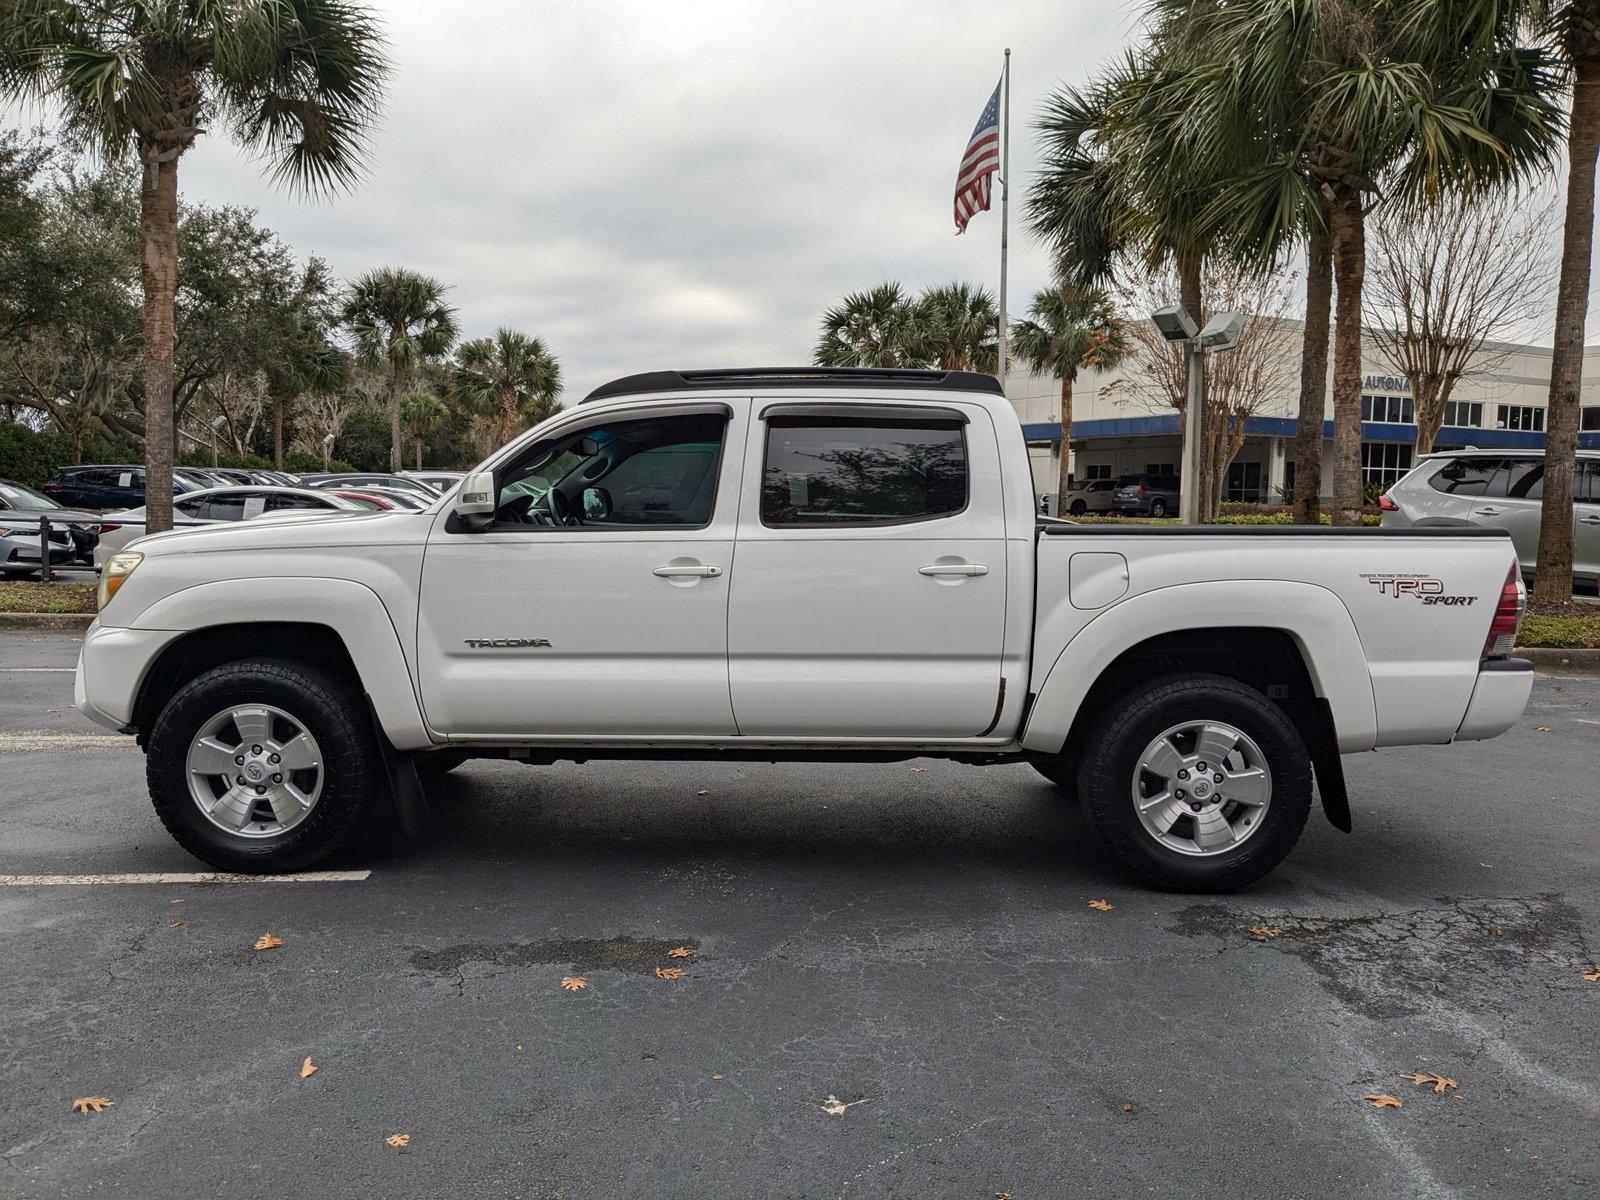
1471, 477
1524, 479
839, 472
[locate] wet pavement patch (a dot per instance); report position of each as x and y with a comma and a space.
1477, 951
634, 956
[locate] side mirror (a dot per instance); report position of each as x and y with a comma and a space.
475, 499
596, 503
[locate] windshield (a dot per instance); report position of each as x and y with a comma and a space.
17, 496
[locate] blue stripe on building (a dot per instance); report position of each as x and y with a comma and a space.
1166, 425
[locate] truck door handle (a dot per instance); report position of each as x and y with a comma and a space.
1488, 510
698, 571
953, 569
1589, 520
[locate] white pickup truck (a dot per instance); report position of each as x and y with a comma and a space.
792, 564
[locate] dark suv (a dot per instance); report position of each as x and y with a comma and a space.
103, 487
1146, 495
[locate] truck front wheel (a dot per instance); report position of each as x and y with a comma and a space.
263, 765
1196, 781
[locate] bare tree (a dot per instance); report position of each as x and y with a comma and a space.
1445, 283
322, 417
1246, 381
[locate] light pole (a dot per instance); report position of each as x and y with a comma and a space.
1220, 333
216, 424
327, 450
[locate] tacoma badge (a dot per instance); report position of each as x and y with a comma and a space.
507, 643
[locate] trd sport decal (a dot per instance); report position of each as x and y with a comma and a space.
1424, 588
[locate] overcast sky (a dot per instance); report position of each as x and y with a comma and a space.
677, 184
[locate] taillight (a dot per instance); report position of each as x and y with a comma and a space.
1141, 489
105, 527
1387, 504
1507, 616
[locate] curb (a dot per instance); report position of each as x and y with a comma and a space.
45, 622
1567, 662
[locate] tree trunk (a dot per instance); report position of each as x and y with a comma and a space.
1427, 401
277, 431
396, 388
1553, 573
419, 452
1349, 272
1307, 499
1065, 473
158, 275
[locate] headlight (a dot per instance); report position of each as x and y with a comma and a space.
116, 572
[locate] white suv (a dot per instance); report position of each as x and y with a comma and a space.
1499, 489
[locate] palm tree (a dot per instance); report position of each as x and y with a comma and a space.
511, 379
399, 317
1338, 107
297, 82
1068, 330
956, 328
422, 413
874, 328
1573, 28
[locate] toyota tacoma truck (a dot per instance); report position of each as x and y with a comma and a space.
774, 565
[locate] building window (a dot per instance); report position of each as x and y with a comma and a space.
1160, 469
1390, 410
1527, 417
1590, 421
1244, 482
1382, 463
1288, 479
1464, 414
1097, 471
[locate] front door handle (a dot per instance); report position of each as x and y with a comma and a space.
683, 571
1589, 520
1487, 511
953, 569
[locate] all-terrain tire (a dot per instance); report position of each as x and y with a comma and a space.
1111, 755
327, 705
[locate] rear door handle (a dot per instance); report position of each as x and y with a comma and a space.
1486, 511
1589, 520
700, 571
953, 569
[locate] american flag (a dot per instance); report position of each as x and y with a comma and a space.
978, 164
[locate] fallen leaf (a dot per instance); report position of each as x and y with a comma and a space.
670, 972
1128, 1108
1262, 932
1487, 866
1101, 905
398, 1139
680, 952
1593, 973
307, 1068
918, 770
1541, 729
176, 924
702, 793
267, 941
1381, 1100
835, 1108
573, 983
716, 1079
1439, 1082
1002, 1196
89, 1104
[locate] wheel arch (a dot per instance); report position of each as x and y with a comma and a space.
1262, 632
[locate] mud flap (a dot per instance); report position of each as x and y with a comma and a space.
1330, 770
407, 801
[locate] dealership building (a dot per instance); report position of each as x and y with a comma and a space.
1117, 430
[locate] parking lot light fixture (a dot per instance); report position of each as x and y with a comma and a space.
1176, 325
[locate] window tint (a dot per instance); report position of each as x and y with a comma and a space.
1525, 480
222, 508
279, 502
189, 508
1468, 476
648, 471
1586, 483
836, 472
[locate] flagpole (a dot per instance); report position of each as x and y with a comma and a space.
1005, 207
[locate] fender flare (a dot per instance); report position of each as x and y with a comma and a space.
1314, 617
352, 610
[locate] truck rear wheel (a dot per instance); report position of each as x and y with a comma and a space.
263, 765
1196, 781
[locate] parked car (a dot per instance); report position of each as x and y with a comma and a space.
370, 479
19, 546
1090, 496
273, 478
797, 564
370, 501
100, 487
23, 502
208, 507
1498, 489
439, 481
1146, 495
414, 501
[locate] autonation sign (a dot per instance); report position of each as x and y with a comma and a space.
1386, 383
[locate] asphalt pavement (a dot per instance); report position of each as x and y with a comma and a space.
896, 986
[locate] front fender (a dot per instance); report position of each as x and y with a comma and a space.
1313, 616
352, 610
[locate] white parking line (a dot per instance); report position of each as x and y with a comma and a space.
180, 877
36, 670
42, 739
